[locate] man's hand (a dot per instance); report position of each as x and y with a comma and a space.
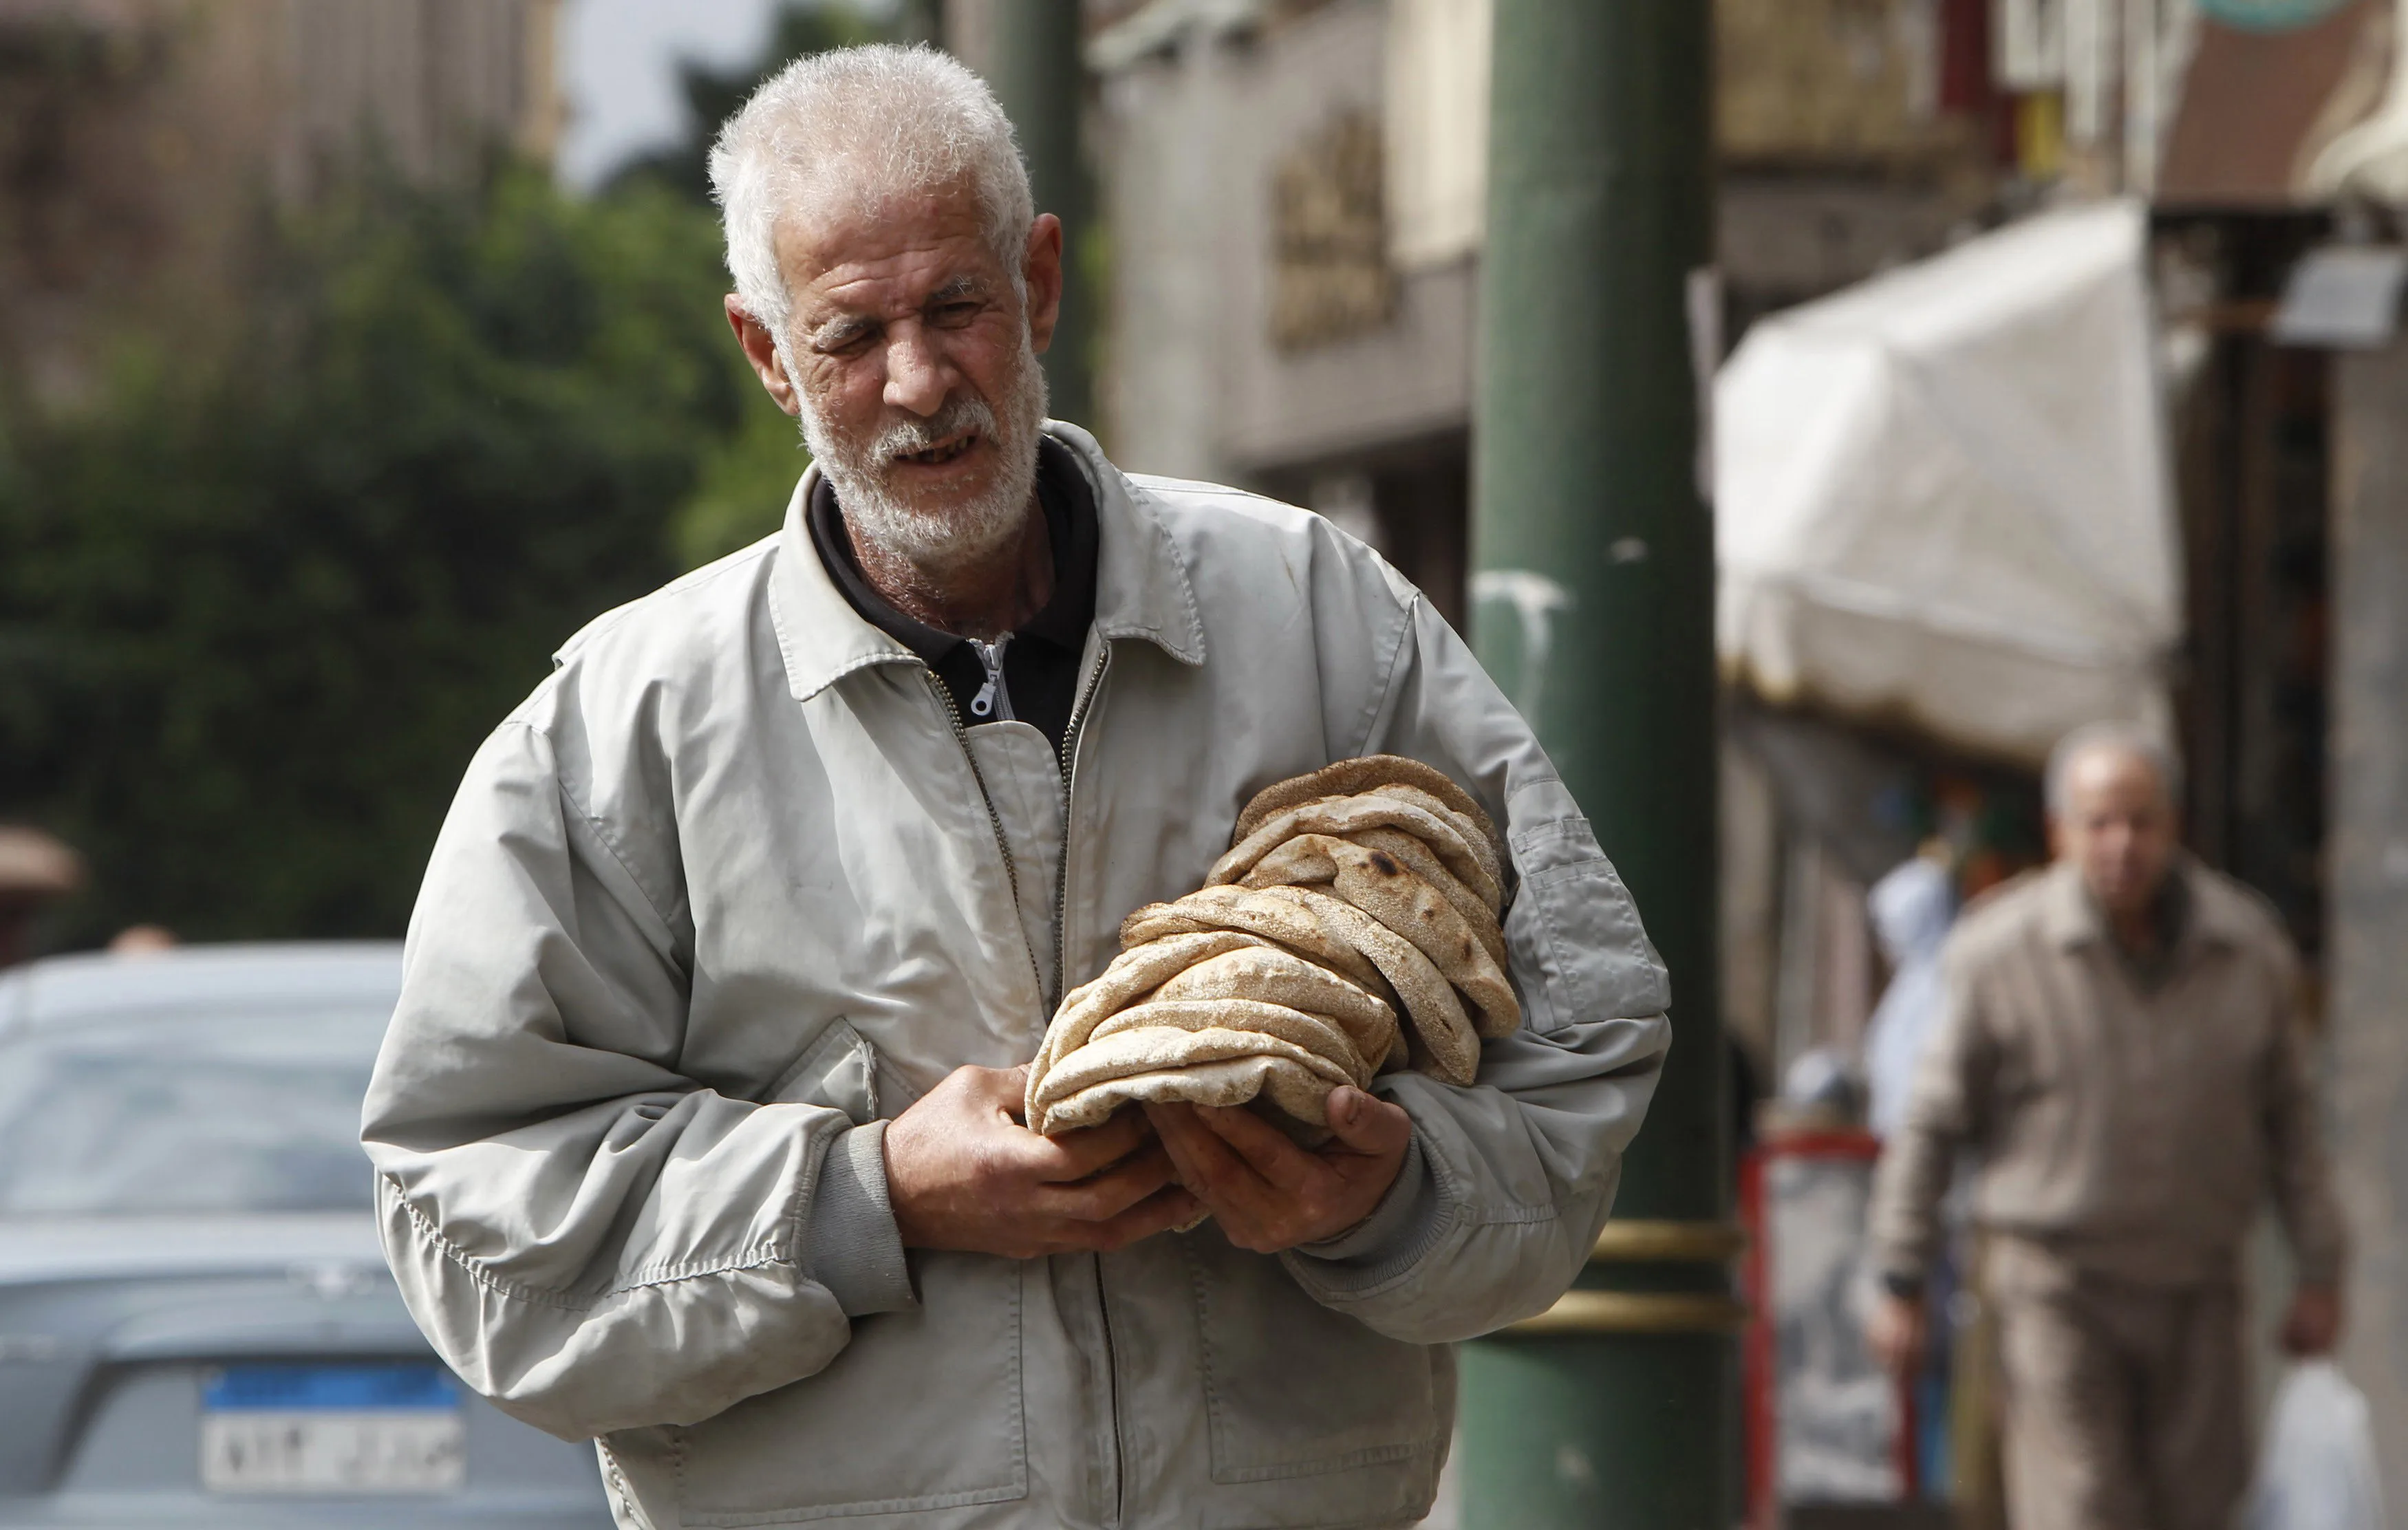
1898, 1331
963, 1172
2313, 1325
1266, 1192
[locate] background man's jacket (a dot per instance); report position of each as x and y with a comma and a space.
734, 886
2125, 1128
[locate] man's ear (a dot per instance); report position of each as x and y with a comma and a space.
1041, 270
761, 349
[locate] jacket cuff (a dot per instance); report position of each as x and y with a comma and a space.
1399, 1230
1900, 1268
851, 1244
1904, 1286
2322, 1264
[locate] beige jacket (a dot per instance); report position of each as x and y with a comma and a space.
734, 886
2129, 1133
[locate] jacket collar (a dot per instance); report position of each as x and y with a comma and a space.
2072, 918
1141, 586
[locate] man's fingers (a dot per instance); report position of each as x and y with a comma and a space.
1208, 1165
1172, 1206
1897, 1332
1366, 1123
1264, 1147
1195, 1151
1175, 1125
2312, 1325
1110, 1193
1000, 1089
1011, 1084
1075, 1155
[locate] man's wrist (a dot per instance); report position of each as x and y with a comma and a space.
1409, 1202
851, 1244
2318, 1275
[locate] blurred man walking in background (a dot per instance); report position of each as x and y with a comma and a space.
2118, 1050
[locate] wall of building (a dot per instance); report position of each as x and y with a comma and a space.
1841, 157
1259, 328
140, 143
438, 83
1219, 361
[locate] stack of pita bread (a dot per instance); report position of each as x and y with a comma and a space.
1352, 928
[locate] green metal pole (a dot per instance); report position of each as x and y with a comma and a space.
1592, 606
1034, 62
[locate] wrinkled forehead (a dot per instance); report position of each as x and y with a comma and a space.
841, 227
2109, 775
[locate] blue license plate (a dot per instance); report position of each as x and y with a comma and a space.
350, 1389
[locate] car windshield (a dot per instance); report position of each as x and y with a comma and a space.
190, 1112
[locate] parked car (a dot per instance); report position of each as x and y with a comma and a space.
196, 1326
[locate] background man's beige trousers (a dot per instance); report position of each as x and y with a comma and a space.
2121, 1404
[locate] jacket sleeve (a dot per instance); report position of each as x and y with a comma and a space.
2302, 1177
1946, 1112
1508, 1180
591, 1239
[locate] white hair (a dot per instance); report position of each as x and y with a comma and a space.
868, 122
2128, 739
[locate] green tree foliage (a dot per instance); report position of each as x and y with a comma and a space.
742, 489
257, 610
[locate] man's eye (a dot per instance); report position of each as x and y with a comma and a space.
850, 341
956, 313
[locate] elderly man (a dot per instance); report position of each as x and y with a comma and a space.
2118, 1049
697, 1131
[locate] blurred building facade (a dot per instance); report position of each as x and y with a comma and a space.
140, 140
1295, 193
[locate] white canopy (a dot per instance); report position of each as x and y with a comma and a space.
1941, 495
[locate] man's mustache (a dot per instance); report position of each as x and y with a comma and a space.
956, 417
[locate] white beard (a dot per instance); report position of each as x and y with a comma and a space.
937, 539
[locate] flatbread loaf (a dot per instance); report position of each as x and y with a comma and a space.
1355, 778
1354, 927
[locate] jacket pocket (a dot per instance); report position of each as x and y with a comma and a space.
1292, 1389
839, 1069
922, 1410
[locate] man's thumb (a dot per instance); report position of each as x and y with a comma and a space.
1359, 1123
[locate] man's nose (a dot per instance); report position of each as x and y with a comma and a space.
918, 376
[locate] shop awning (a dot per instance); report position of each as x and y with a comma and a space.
1942, 497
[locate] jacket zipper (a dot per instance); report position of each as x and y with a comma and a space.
992, 657
994, 700
1062, 872
1062, 980
994, 818
1112, 1396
